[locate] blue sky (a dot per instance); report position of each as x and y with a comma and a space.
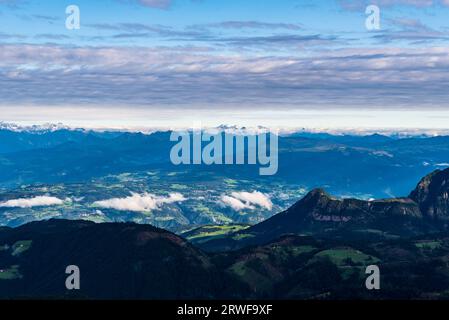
103, 21
242, 55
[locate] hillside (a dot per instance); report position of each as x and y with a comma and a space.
116, 261
129, 261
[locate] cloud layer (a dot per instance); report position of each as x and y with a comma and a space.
57, 75
239, 201
41, 201
229, 63
139, 202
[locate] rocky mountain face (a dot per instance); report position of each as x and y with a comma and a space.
432, 195
318, 207
425, 210
429, 201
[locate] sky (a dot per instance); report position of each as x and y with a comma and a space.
271, 62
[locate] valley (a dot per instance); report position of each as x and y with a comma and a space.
138, 227
293, 255
81, 169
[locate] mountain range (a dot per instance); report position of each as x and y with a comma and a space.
82, 168
373, 165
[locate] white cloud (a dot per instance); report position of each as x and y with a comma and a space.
444, 164
41, 201
140, 202
156, 3
247, 200
235, 204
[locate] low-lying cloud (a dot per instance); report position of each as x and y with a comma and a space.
140, 202
41, 201
239, 201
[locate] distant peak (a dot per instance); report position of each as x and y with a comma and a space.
48, 127
437, 175
318, 191
317, 195
432, 194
